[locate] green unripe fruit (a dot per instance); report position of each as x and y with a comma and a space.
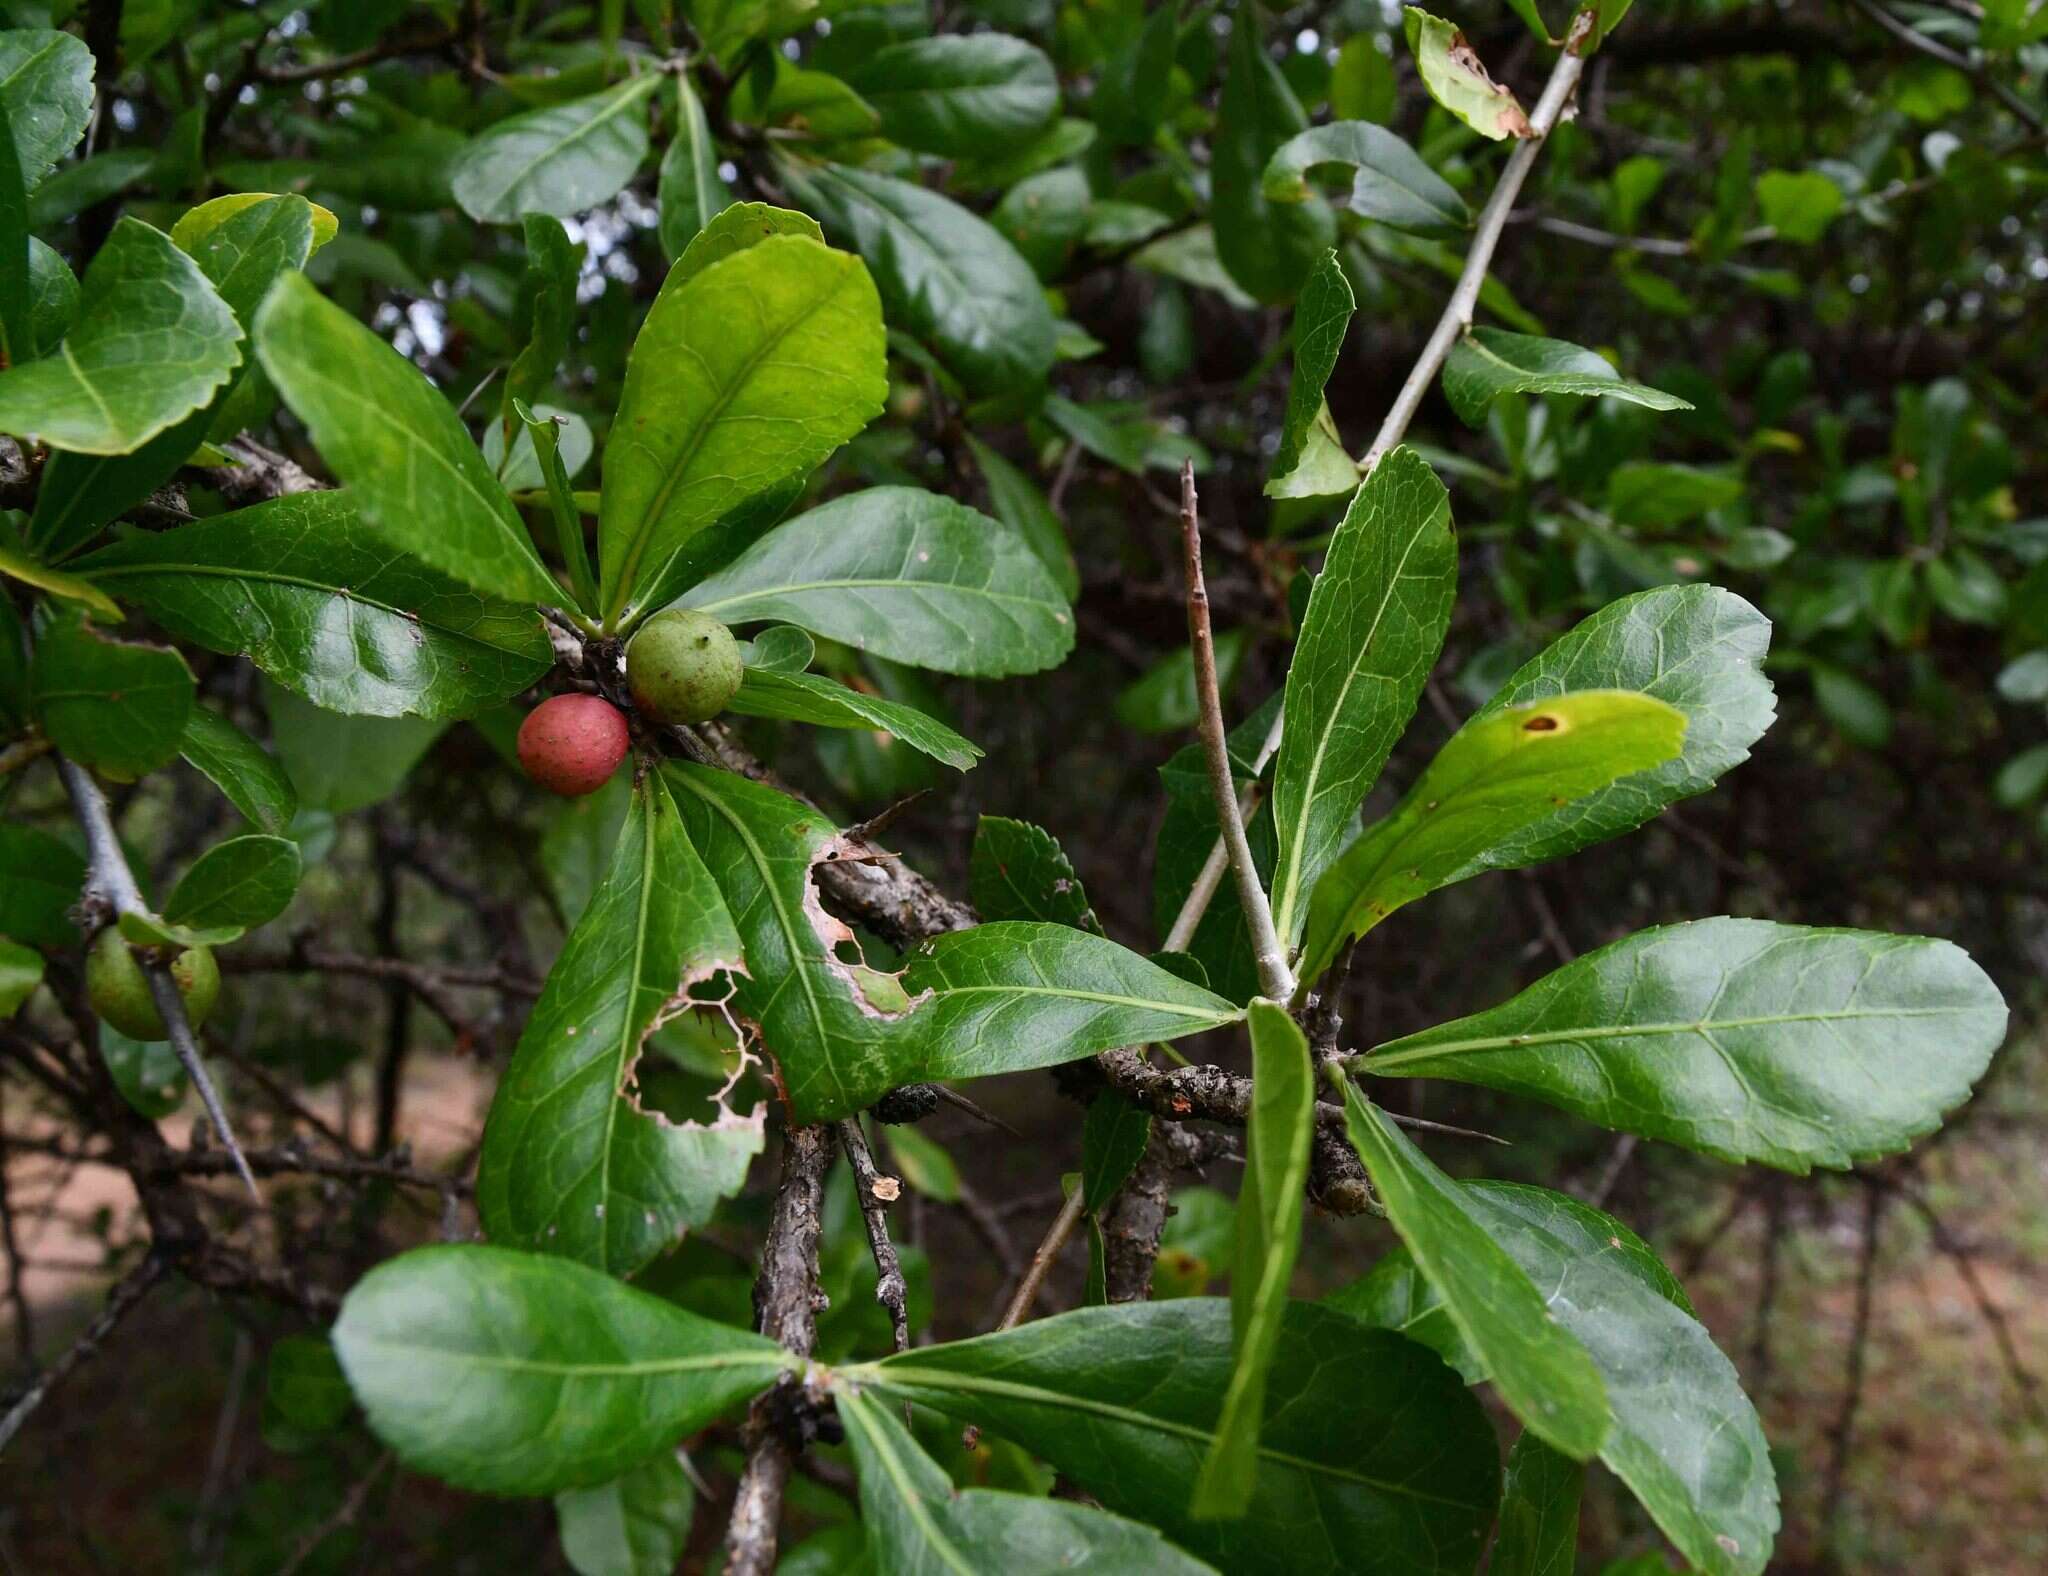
683, 666
119, 989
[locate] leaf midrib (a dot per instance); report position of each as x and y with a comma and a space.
771, 1361
625, 97
943, 1379
867, 583
1374, 1061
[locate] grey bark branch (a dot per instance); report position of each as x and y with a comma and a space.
786, 1306
876, 1192
121, 1301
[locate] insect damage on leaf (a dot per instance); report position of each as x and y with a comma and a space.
877, 993
1463, 57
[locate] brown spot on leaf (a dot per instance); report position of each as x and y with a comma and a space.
1542, 722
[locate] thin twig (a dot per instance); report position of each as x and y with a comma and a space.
121, 1301
344, 1515
1975, 70
110, 883
1875, 1195
876, 1193
2023, 1378
1276, 979
1033, 1283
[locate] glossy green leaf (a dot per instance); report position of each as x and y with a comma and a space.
1791, 1046
341, 763
17, 289
919, 1524
1018, 501
635, 1525
559, 160
416, 477
1019, 871
147, 1073
1539, 1512
243, 882
86, 183
40, 878
151, 344
114, 704
572, 1163
1269, 1205
1698, 648
21, 971
316, 598
780, 648
1458, 80
513, 1373
1391, 183
241, 256
1489, 362
826, 703
1321, 316
735, 229
746, 372
1124, 1400
240, 768
690, 191
197, 223
946, 276
1113, 1140
548, 300
1130, 97
1539, 1366
60, 583
1267, 247
960, 94
1499, 775
46, 84
1014, 995
1798, 204
1700, 1466
1375, 624
53, 296
804, 103
905, 574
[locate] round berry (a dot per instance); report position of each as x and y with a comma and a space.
120, 993
683, 666
572, 744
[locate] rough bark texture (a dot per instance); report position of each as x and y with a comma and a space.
1134, 1222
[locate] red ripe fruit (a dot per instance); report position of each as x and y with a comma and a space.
572, 743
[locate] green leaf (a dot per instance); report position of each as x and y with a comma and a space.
635, 1525
960, 95
1458, 80
17, 289
746, 372
826, 703
1044, 217
1499, 775
240, 768
95, 179
242, 256
341, 763
1321, 316
243, 882
1018, 501
1267, 247
735, 229
1702, 1469
1124, 1401
1014, 995
416, 478
1130, 97
1799, 205
1113, 1141
1375, 624
1269, 1204
689, 191
548, 296
147, 1073
17, 565
925, 1164
1362, 85
804, 103
1391, 183
904, 574
1019, 871
946, 276
1539, 1366
310, 593
572, 1163
1539, 1512
40, 878
113, 704
1653, 495
559, 160
151, 344
1791, 1046
1698, 648
197, 223
1489, 362
46, 89
21, 971
919, 1524
304, 1386
53, 297
1162, 699
511, 1373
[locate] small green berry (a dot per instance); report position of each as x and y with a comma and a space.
119, 989
683, 666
